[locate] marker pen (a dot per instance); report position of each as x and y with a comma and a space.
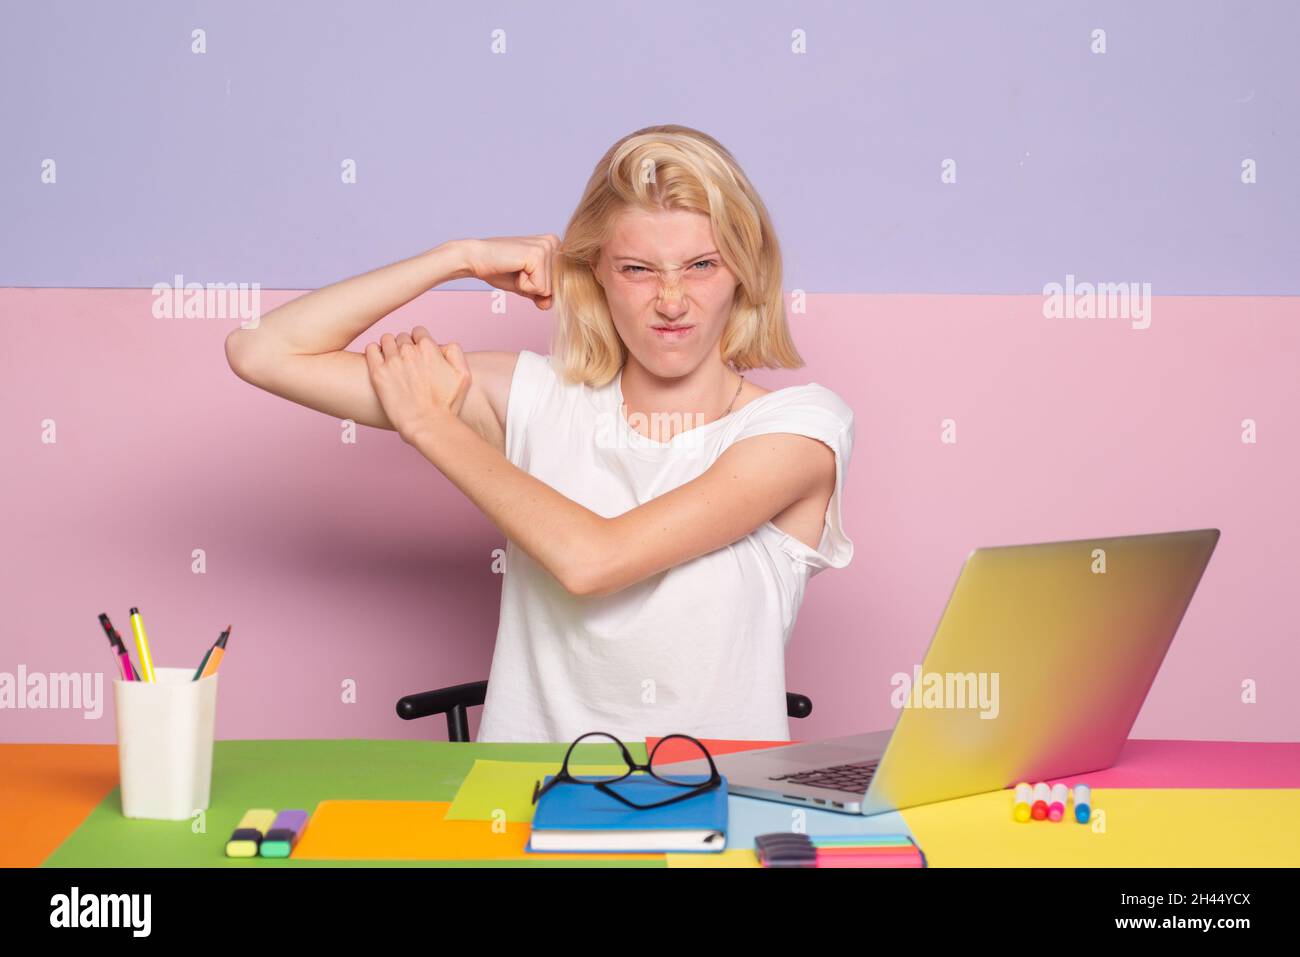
1024, 795
142, 645
283, 835
1082, 803
1042, 796
1060, 794
215, 655
199, 672
247, 838
119, 649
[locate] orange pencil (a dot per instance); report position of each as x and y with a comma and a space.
214, 657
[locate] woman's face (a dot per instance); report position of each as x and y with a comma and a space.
668, 291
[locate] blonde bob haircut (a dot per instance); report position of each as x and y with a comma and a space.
670, 168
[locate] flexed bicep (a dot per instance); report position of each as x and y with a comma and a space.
336, 383
339, 384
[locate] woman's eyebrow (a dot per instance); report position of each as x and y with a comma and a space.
712, 252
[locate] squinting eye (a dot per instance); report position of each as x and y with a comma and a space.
708, 264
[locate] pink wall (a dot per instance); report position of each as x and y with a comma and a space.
361, 562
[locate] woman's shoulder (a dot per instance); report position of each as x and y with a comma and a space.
539, 382
811, 398
543, 366
537, 372
533, 361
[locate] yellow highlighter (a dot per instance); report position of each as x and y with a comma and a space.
142, 645
250, 833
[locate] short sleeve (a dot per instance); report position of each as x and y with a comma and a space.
534, 374
816, 412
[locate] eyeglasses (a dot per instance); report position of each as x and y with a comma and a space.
660, 770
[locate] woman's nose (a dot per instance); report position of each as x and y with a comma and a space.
670, 290
671, 302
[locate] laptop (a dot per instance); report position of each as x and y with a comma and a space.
1037, 670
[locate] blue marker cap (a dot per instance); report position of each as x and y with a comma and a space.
1082, 803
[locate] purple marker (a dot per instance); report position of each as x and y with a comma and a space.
283, 834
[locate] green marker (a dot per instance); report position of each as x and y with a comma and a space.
283, 835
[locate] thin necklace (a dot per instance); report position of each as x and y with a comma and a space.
724, 414
728, 410
733, 398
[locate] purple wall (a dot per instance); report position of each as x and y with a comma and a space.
225, 166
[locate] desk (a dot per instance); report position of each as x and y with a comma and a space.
59, 804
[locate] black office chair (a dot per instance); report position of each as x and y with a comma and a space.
454, 700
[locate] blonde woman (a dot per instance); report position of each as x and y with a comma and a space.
663, 513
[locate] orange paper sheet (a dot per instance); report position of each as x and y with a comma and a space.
417, 831
45, 794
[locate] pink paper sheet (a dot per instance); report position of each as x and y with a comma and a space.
1200, 764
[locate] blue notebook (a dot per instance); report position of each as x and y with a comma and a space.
581, 818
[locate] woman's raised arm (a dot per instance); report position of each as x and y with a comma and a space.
299, 350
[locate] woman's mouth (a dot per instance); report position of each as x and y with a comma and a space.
672, 333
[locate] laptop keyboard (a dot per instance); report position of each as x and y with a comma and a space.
838, 777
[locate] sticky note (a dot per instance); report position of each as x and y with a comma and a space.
749, 817
418, 831
503, 790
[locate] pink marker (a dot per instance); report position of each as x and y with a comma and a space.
115, 640
1056, 810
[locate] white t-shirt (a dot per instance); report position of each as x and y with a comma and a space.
698, 649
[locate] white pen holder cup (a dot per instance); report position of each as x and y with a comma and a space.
165, 731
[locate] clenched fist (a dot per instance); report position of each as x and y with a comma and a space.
416, 380
518, 264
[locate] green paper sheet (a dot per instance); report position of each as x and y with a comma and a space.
493, 786
293, 774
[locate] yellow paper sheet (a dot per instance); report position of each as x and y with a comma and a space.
504, 789
417, 831
742, 857
1132, 827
